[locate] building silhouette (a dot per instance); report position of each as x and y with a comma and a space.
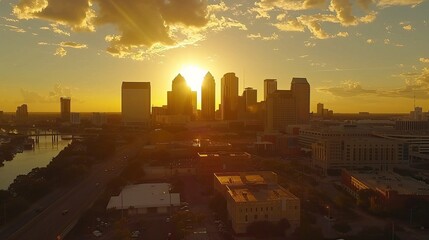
320, 107
136, 97
270, 85
229, 96
22, 113
181, 100
65, 109
208, 99
301, 92
250, 96
288, 107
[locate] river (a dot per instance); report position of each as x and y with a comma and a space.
24, 162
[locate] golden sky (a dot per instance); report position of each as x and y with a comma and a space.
358, 55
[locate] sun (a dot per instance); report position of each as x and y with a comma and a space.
194, 76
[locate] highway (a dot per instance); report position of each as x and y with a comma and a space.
52, 222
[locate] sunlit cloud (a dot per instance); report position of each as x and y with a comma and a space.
13, 28
52, 96
407, 27
347, 88
61, 52
424, 60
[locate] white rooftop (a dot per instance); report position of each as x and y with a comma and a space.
145, 196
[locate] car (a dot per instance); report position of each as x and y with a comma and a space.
167, 220
97, 233
65, 212
184, 204
330, 218
184, 208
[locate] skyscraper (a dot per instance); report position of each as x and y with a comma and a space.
22, 113
270, 85
288, 107
136, 105
301, 92
250, 96
181, 100
65, 109
320, 107
208, 102
229, 96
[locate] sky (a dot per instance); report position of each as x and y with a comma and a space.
357, 55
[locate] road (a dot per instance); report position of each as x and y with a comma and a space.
52, 223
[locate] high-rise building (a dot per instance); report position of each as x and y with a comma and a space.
229, 96
250, 96
65, 109
136, 97
301, 92
320, 109
22, 113
208, 103
270, 86
181, 100
288, 107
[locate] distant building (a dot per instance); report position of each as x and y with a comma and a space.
208, 101
210, 162
22, 113
392, 189
145, 199
301, 92
98, 119
270, 86
256, 196
159, 111
358, 152
75, 118
418, 115
65, 109
288, 107
229, 96
181, 100
1, 116
136, 103
250, 97
320, 109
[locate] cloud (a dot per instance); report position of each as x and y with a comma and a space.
273, 36
13, 28
61, 52
370, 41
52, 96
424, 60
142, 27
291, 25
263, 7
407, 27
343, 10
73, 45
343, 34
388, 3
347, 89
309, 44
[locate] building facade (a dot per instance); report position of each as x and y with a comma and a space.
208, 99
270, 86
280, 110
136, 103
65, 109
181, 100
256, 196
301, 92
229, 96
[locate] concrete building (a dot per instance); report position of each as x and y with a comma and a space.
159, 111
301, 92
74, 118
145, 198
270, 86
181, 100
65, 109
98, 119
229, 96
353, 153
209, 162
393, 189
288, 107
256, 196
22, 113
208, 97
136, 103
320, 109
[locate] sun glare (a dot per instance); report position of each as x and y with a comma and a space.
194, 76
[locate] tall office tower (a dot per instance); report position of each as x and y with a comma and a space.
417, 114
229, 96
320, 109
250, 96
22, 113
136, 105
208, 102
270, 85
301, 92
280, 110
65, 109
181, 100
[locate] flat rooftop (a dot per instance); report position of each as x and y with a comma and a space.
223, 154
243, 178
390, 181
259, 193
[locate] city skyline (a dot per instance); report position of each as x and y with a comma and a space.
50, 52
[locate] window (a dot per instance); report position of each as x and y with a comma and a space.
266, 209
250, 209
266, 216
256, 217
271, 208
245, 218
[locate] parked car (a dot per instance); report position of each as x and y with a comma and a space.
97, 233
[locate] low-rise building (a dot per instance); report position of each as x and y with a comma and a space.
210, 162
256, 196
145, 198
